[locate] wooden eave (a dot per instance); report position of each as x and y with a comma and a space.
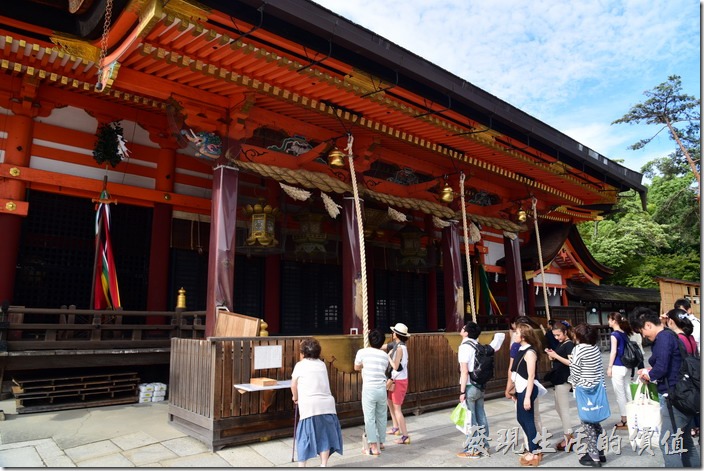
229, 67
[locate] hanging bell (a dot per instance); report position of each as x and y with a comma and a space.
446, 194
336, 158
522, 216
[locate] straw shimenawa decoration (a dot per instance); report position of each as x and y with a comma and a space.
328, 184
295, 193
439, 223
396, 215
332, 208
474, 234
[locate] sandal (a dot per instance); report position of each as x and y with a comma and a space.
369, 452
535, 459
695, 432
621, 425
393, 431
404, 440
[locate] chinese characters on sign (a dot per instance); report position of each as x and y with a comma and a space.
508, 440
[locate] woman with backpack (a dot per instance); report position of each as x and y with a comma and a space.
676, 320
616, 370
679, 323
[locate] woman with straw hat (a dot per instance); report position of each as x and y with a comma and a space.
398, 357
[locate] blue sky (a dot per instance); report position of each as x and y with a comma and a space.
575, 65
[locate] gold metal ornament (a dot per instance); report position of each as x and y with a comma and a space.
181, 299
522, 215
15, 172
447, 194
10, 206
336, 158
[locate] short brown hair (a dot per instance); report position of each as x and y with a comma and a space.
584, 333
310, 348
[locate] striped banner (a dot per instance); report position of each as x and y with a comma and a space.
107, 292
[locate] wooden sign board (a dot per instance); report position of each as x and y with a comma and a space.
230, 324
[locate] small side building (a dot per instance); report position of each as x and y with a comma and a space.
672, 289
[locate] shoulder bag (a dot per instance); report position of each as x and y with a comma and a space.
592, 403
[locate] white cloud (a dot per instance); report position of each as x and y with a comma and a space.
583, 64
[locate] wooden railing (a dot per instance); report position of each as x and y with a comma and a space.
572, 314
24, 329
204, 403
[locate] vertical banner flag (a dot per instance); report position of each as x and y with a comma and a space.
107, 293
489, 302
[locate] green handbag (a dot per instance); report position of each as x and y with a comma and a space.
459, 413
652, 389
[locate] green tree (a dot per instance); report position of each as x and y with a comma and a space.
667, 107
672, 202
627, 234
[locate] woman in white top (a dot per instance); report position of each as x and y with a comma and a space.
398, 356
616, 370
318, 431
524, 373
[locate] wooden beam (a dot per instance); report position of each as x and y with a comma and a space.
17, 208
117, 190
138, 82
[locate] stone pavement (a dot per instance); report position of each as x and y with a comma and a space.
138, 435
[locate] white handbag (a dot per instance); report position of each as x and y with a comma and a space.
643, 417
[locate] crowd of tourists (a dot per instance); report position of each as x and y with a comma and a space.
577, 377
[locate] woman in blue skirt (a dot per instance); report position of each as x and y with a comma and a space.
318, 431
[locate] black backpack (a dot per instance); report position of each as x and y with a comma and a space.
632, 355
685, 394
483, 364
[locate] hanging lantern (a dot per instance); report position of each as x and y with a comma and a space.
522, 216
311, 240
261, 231
412, 252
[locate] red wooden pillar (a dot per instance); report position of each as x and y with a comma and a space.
158, 283
221, 256
351, 270
452, 270
17, 152
514, 279
530, 309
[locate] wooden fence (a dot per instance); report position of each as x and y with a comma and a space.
42, 339
204, 403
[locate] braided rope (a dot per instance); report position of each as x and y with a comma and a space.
534, 201
466, 250
360, 229
428, 207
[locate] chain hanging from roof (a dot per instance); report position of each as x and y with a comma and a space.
104, 74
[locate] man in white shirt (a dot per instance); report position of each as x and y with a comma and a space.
471, 394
